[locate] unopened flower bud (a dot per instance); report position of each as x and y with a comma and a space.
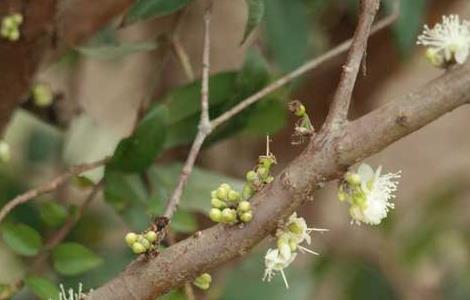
229, 215
353, 178
222, 193
215, 215
246, 217
131, 238
138, 248
146, 243
263, 172
14, 35
233, 196
17, 18
244, 206
247, 192
151, 236
218, 203
251, 176
42, 95
203, 281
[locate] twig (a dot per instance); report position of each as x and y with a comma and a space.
49, 186
342, 99
182, 57
204, 125
308, 66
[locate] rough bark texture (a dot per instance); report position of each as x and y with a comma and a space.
324, 159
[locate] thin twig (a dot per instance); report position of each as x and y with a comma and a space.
49, 186
308, 66
183, 57
204, 125
342, 99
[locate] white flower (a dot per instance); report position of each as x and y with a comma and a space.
298, 232
275, 262
370, 199
448, 42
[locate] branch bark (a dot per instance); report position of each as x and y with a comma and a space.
315, 166
340, 106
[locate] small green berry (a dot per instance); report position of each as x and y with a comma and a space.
144, 242
218, 203
244, 206
222, 193
300, 111
42, 95
246, 217
203, 281
233, 196
247, 192
229, 215
138, 248
131, 238
251, 176
151, 236
215, 215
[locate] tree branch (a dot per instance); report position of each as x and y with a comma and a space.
204, 125
340, 106
49, 186
316, 165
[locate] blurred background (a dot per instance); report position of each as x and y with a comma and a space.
102, 87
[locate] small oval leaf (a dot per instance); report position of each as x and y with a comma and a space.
22, 239
52, 214
42, 288
73, 258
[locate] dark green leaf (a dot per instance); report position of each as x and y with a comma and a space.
22, 239
52, 214
137, 152
287, 32
145, 9
116, 51
42, 288
73, 259
122, 189
255, 16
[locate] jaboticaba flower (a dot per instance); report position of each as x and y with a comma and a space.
369, 194
447, 43
289, 237
275, 262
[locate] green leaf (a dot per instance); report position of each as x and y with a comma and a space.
121, 189
255, 16
52, 214
183, 222
196, 195
22, 239
409, 24
137, 152
287, 31
145, 9
42, 288
116, 51
73, 259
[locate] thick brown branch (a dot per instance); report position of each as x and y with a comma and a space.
308, 172
342, 99
48, 186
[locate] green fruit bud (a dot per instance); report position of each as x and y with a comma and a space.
262, 172
233, 196
203, 281
222, 193
215, 215
341, 196
229, 215
246, 217
244, 206
9, 23
353, 179
218, 203
226, 186
14, 35
300, 111
42, 95
138, 248
247, 192
144, 242
251, 176
151, 236
131, 238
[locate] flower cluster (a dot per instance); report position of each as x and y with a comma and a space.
42, 94
228, 207
447, 43
303, 127
290, 236
203, 281
10, 28
142, 243
259, 176
369, 193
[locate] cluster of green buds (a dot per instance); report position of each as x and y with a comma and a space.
259, 176
10, 28
303, 127
228, 207
203, 281
142, 243
42, 94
